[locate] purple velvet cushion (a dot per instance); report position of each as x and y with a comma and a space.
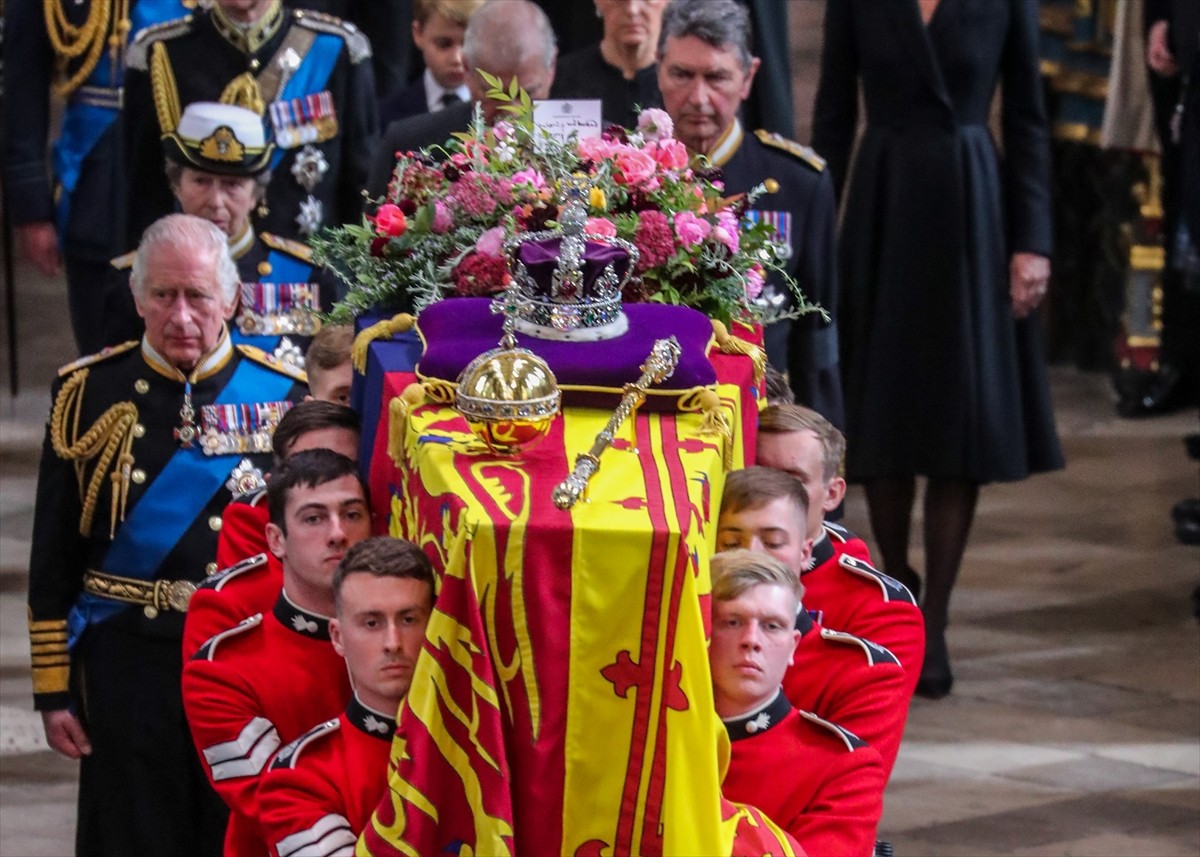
591, 374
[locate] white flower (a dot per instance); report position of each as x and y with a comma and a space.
505, 152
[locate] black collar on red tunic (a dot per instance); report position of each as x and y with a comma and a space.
374, 723
300, 620
760, 720
822, 551
804, 620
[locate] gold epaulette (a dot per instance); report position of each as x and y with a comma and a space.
803, 153
138, 55
51, 661
102, 354
286, 245
273, 362
357, 44
124, 261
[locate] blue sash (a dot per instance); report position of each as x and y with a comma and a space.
84, 124
311, 77
173, 501
284, 269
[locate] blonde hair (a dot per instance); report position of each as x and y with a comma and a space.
330, 348
736, 571
756, 486
458, 11
785, 419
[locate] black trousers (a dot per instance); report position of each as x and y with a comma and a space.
142, 791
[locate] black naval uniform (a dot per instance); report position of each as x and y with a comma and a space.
117, 663
319, 96
805, 214
76, 188
262, 258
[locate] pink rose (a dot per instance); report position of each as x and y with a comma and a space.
596, 149
634, 167
691, 229
600, 226
502, 130
726, 230
491, 242
670, 154
754, 281
390, 220
443, 220
529, 177
655, 124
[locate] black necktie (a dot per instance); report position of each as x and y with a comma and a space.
449, 97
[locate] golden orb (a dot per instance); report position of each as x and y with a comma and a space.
509, 397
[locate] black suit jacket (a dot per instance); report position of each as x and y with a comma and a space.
409, 101
413, 134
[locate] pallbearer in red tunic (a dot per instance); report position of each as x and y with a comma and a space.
776, 511
264, 681
252, 576
817, 780
850, 681
322, 788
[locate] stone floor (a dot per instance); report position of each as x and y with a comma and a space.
1074, 727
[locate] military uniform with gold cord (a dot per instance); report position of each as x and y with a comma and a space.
802, 209
309, 74
137, 464
74, 50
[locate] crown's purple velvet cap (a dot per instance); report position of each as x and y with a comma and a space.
541, 261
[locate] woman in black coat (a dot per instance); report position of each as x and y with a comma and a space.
945, 251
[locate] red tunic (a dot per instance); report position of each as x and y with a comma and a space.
243, 529
248, 587
249, 690
321, 788
852, 682
844, 592
817, 781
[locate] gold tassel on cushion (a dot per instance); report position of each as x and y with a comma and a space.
730, 344
706, 401
379, 330
398, 410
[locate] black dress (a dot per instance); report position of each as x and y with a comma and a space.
586, 74
941, 380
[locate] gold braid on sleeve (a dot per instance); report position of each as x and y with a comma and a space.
108, 443
87, 40
166, 93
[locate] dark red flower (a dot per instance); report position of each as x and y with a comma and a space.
478, 275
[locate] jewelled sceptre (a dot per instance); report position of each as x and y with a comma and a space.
659, 366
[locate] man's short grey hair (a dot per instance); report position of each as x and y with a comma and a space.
189, 231
504, 32
722, 24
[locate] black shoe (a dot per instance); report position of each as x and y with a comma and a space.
909, 577
1149, 394
1188, 531
1191, 442
936, 678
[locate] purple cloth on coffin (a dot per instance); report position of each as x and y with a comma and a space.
591, 374
541, 261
